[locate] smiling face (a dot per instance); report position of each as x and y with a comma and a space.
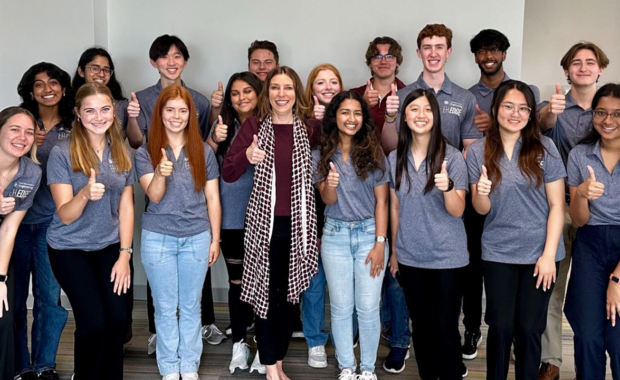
325, 86
243, 97
384, 68
96, 113
490, 60
584, 69
262, 61
608, 127
171, 65
434, 53
100, 63
47, 91
17, 136
419, 116
282, 95
349, 118
513, 113
175, 115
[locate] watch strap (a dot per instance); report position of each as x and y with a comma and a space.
615, 279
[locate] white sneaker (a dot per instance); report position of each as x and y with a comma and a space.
152, 345
172, 376
317, 358
346, 374
240, 357
257, 366
190, 376
212, 334
366, 375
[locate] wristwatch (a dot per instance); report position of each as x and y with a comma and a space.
380, 239
4, 277
612, 277
450, 185
128, 250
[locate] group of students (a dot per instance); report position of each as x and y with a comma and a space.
444, 188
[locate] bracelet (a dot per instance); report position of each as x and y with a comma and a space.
128, 250
219, 240
615, 279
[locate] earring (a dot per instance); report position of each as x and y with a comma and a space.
79, 119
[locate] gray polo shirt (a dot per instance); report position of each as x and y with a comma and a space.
605, 210
515, 229
24, 185
98, 226
572, 125
43, 208
356, 197
182, 212
457, 110
234, 196
484, 95
428, 236
148, 97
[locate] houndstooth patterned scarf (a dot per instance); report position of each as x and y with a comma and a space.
260, 215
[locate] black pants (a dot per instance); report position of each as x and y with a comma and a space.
101, 316
434, 300
7, 331
206, 304
517, 311
274, 334
472, 283
241, 314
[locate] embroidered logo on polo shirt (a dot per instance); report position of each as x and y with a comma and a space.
186, 164
63, 133
541, 160
112, 165
21, 190
452, 107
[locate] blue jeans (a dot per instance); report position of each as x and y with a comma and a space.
394, 313
30, 257
176, 269
344, 250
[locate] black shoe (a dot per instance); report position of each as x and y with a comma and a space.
28, 375
395, 361
49, 374
470, 347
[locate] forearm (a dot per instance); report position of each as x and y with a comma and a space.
134, 133
126, 217
156, 188
8, 231
555, 225
381, 217
389, 137
394, 216
214, 208
212, 144
546, 118
215, 112
329, 194
72, 210
455, 202
481, 203
579, 209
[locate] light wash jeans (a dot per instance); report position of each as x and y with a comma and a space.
176, 269
344, 249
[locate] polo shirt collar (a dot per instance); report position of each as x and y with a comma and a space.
595, 150
484, 90
446, 86
159, 88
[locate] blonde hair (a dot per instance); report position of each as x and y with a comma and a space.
8, 113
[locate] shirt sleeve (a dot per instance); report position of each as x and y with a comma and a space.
380, 176
573, 167
474, 166
143, 162
213, 170
536, 93
58, 167
36, 180
203, 119
553, 167
141, 119
236, 162
316, 157
131, 175
457, 171
391, 169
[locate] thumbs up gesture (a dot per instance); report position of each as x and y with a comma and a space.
220, 132
442, 180
217, 97
93, 191
164, 168
392, 103
591, 189
254, 154
319, 110
482, 119
7, 204
40, 136
371, 96
333, 178
557, 103
133, 108
484, 184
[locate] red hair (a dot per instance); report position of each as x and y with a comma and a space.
194, 146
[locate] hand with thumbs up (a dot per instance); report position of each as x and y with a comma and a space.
164, 168
557, 104
39, 136
371, 96
93, 191
254, 154
484, 184
333, 178
217, 97
591, 189
7, 204
133, 108
319, 110
221, 131
392, 103
442, 180
482, 119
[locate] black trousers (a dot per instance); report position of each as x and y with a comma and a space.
241, 314
434, 299
472, 283
7, 331
517, 311
274, 333
101, 317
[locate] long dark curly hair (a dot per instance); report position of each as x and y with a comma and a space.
366, 155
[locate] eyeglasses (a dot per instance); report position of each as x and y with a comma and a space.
380, 57
510, 108
601, 115
94, 69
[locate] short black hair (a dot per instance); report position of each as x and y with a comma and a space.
162, 45
489, 38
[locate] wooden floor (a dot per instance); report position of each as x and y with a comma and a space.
215, 359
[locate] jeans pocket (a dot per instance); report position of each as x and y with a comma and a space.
201, 245
152, 247
329, 229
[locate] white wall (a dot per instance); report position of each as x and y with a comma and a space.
219, 33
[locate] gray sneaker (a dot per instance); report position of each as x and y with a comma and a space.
317, 358
152, 345
257, 365
212, 335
